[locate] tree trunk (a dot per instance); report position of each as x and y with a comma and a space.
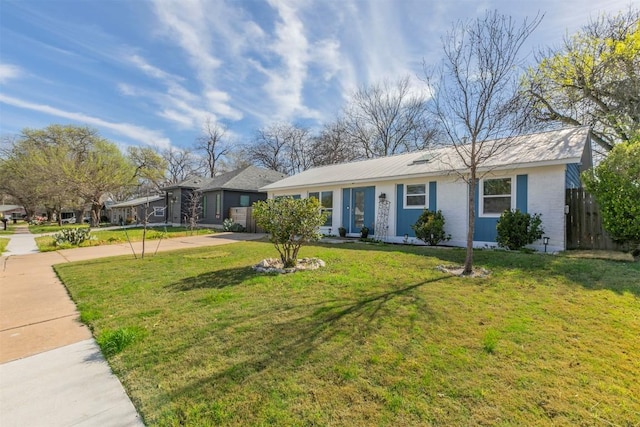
468, 261
95, 214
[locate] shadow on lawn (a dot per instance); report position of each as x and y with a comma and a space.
594, 274
217, 279
291, 342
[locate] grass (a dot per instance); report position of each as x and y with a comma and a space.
52, 227
108, 237
3, 244
10, 228
378, 337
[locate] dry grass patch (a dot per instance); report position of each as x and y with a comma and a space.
378, 337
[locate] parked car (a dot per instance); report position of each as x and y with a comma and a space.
69, 220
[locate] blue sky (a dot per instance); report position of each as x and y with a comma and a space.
151, 72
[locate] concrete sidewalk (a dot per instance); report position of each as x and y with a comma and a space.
21, 242
51, 371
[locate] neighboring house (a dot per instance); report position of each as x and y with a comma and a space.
153, 208
388, 194
12, 211
238, 188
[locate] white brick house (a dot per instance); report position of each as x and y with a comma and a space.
531, 174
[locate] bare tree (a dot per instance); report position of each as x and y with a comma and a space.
212, 146
388, 118
333, 145
282, 147
180, 165
193, 205
476, 96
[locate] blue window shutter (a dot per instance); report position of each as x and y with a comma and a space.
433, 188
521, 192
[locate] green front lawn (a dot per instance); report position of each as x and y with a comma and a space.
108, 237
3, 244
378, 337
52, 227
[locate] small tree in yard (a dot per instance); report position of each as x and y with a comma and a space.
430, 228
615, 183
193, 210
517, 229
291, 223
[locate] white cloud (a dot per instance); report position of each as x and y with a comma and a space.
134, 132
187, 24
9, 72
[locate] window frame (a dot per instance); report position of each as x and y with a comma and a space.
406, 194
329, 222
481, 196
157, 209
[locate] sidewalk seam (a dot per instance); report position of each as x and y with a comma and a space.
40, 322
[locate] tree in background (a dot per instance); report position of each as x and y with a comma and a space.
181, 164
282, 147
333, 145
387, 118
150, 169
476, 97
615, 183
291, 223
212, 146
593, 79
64, 166
22, 177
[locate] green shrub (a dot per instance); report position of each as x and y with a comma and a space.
229, 225
290, 223
615, 183
72, 236
430, 228
517, 229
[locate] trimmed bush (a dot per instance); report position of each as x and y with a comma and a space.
290, 223
430, 228
517, 229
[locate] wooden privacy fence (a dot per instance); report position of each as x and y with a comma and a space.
244, 216
584, 223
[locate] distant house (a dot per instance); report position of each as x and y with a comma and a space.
388, 194
151, 208
238, 188
12, 211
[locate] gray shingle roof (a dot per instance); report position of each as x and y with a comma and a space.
552, 147
136, 202
250, 178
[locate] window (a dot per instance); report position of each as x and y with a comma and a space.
495, 196
158, 211
415, 196
204, 206
326, 203
244, 200
218, 205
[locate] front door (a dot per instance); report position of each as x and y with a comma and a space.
359, 208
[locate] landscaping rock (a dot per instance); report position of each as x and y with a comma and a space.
275, 265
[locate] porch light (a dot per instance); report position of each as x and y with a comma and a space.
382, 197
545, 241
